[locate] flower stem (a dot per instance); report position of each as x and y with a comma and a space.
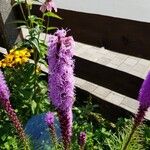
22, 11
18, 126
48, 21
125, 147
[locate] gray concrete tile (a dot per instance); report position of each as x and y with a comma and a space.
140, 68
147, 116
112, 65
124, 67
131, 61
114, 98
136, 73
102, 50
132, 103
144, 62
101, 92
88, 86
121, 56
129, 108
117, 61
79, 82
103, 60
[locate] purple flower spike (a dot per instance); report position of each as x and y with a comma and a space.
4, 91
49, 118
4, 99
61, 65
144, 94
82, 140
61, 80
144, 98
65, 118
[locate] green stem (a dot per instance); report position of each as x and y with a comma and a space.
35, 66
22, 11
82, 147
48, 21
125, 147
43, 29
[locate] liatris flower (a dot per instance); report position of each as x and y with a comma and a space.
82, 140
49, 119
4, 99
61, 80
144, 98
48, 5
65, 119
4, 91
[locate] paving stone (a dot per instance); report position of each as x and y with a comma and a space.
102, 50
110, 55
104, 60
112, 65
114, 98
145, 74
89, 56
101, 92
136, 73
121, 56
88, 86
117, 61
128, 108
144, 62
130, 61
147, 116
79, 82
132, 103
140, 68
124, 67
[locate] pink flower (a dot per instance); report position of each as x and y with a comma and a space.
48, 5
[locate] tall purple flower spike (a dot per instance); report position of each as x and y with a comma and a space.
4, 91
61, 80
82, 140
144, 99
49, 119
4, 100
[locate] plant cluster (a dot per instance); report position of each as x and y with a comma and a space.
26, 91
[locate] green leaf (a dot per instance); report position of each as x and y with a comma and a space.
51, 28
33, 106
51, 14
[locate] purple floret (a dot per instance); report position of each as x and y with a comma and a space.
144, 94
4, 91
49, 118
82, 139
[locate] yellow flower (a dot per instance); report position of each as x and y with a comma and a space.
15, 57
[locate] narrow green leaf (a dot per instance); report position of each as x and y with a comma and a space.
51, 14
51, 28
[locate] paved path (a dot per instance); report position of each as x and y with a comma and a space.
136, 66
132, 65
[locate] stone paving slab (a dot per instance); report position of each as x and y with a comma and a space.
136, 66
110, 96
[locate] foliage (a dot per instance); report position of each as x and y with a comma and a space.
28, 88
